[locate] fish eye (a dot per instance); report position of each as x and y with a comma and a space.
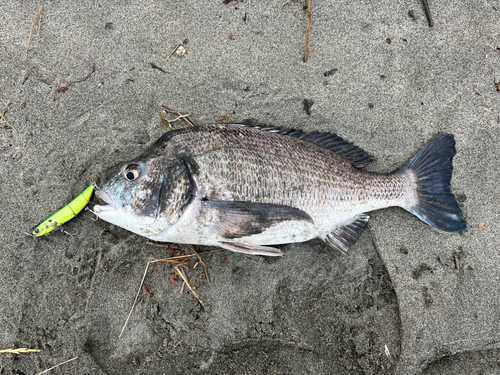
132, 172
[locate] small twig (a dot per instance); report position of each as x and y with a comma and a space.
182, 287
167, 245
6, 108
175, 346
412, 14
4, 120
154, 260
428, 13
178, 118
191, 247
206, 275
39, 21
137, 295
64, 88
181, 116
286, 2
308, 12
168, 260
165, 121
150, 294
175, 49
20, 351
87, 76
180, 271
39, 13
205, 265
53, 367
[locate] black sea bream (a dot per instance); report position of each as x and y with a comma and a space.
244, 188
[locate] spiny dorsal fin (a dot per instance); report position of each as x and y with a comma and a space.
356, 155
343, 238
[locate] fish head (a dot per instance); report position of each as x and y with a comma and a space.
133, 196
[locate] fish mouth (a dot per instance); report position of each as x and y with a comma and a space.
112, 202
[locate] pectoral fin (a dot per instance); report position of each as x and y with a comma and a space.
343, 238
240, 219
251, 249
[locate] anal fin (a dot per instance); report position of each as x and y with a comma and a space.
251, 249
343, 238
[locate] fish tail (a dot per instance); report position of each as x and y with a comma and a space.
431, 170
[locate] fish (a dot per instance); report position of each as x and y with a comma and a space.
247, 188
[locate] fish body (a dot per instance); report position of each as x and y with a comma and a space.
245, 188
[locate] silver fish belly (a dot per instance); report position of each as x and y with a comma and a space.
245, 187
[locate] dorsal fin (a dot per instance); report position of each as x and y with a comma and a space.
356, 155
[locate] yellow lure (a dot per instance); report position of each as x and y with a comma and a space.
65, 214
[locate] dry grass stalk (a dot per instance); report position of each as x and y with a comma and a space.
37, 14
175, 49
137, 296
181, 273
150, 294
182, 287
39, 21
19, 351
63, 89
205, 265
4, 121
175, 346
165, 245
180, 116
169, 260
53, 367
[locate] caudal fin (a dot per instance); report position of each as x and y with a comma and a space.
432, 168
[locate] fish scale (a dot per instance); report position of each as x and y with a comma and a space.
307, 185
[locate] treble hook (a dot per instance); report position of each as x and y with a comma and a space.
70, 234
96, 217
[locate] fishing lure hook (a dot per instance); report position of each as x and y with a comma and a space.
96, 217
72, 235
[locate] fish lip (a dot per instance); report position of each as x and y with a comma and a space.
112, 202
